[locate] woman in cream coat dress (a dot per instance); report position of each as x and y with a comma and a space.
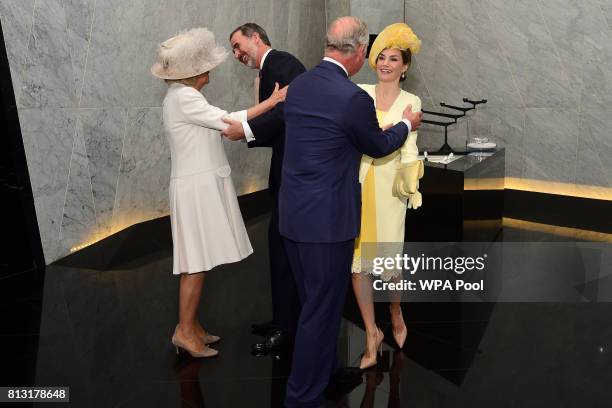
383, 208
207, 226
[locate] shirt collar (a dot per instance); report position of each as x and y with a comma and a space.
333, 61
263, 59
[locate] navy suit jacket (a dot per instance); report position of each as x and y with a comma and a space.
330, 122
269, 128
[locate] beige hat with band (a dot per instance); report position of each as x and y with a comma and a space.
188, 54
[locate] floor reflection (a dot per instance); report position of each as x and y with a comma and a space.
375, 376
106, 334
187, 375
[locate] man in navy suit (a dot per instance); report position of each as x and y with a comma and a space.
330, 123
252, 47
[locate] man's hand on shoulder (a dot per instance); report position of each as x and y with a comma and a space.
413, 117
234, 131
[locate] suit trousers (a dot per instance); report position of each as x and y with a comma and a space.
322, 272
285, 301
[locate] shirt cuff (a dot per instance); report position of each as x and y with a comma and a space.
407, 122
248, 133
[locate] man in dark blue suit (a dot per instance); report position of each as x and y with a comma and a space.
252, 47
330, 123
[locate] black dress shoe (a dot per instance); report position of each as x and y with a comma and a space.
343, 382
263, 329
277, 340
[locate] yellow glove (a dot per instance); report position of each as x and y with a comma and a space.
406, 182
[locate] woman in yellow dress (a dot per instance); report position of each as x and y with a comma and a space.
383, 208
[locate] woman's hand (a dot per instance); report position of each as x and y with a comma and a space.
278, 95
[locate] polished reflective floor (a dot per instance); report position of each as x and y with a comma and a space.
105, 333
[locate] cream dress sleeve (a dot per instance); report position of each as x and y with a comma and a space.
196, 110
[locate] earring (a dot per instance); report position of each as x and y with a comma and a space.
403, 76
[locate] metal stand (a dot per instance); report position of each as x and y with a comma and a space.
446, 148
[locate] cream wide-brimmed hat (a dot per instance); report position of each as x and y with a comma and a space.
188, 54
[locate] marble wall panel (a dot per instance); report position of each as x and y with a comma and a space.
506, 126
79, 216
568, 23
93, 58
542, 65
250, 167
16, 28
48, 136
79, 18
225, 19
438, 63
144, 176
443, 73
102, 131
605, 8
531, 52
158, 21
337, 8
378, 13
424, 19
415, 84
551, 144
593, 166
307, 26
485, 74
595, 145
279, 33
112, 47
52, 74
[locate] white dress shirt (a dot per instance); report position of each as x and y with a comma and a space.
248, 133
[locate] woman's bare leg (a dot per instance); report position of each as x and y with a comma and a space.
190, 292
362, 287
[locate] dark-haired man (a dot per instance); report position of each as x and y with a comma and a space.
251, 46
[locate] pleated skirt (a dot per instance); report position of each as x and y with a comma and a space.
207, 226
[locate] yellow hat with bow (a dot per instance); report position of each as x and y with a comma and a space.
399, 36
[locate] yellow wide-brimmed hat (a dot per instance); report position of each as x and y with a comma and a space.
398, 36
188, 54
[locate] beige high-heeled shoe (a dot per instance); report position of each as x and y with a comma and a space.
210, 338
400, 336
206, 352
367, 362
207, 338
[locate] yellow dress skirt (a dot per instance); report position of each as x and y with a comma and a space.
379, 177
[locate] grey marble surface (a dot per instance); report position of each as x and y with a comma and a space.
57, 48
16, 28
378, 13
90, 109
551, 144
144, 175
337, 8
48, 138
111, 47
80, 70
543, 65
102, 131
79, 218
307, 22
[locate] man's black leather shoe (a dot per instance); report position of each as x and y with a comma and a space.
263, 329
277, 340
